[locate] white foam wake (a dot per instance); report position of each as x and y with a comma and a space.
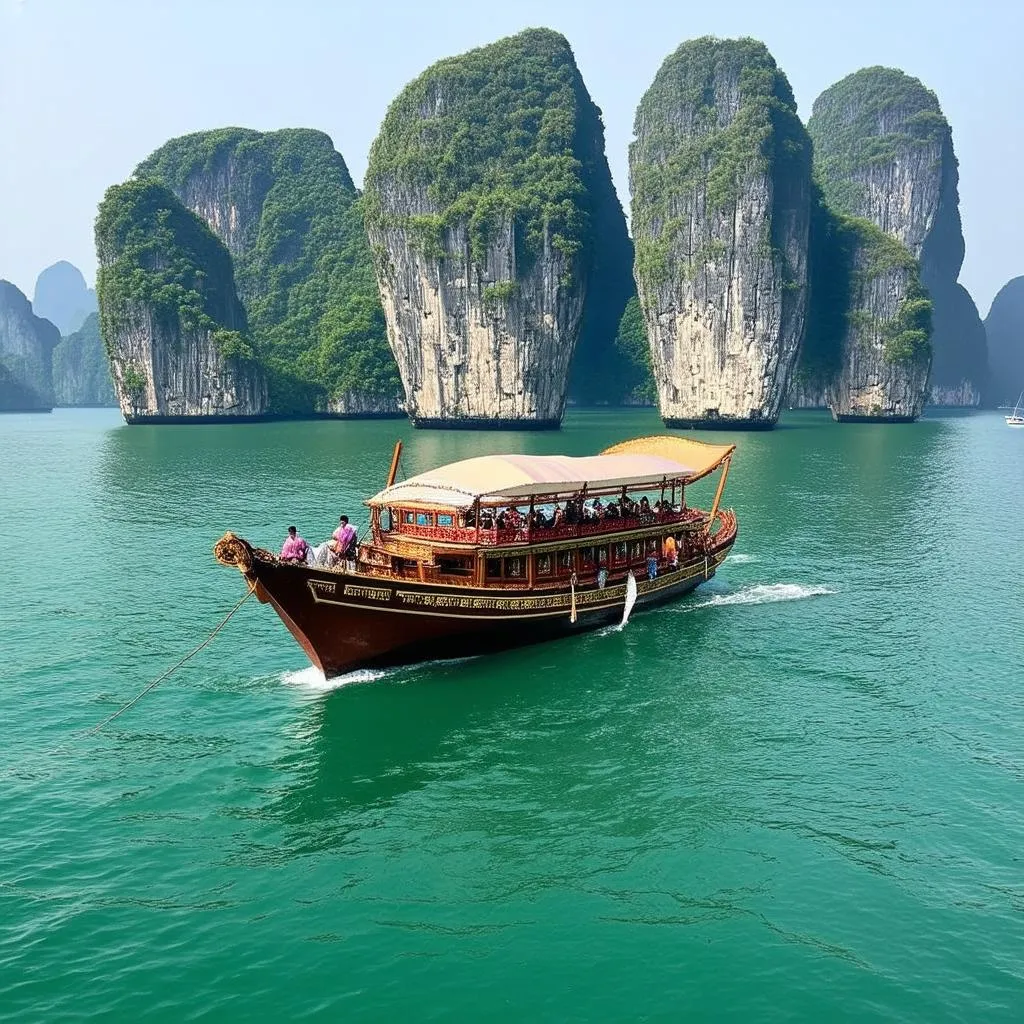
742, 559
313, 680
763, 593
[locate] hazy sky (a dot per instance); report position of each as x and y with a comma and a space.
90, 87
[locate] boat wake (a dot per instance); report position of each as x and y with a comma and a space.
313, 680
762, 593
742, 559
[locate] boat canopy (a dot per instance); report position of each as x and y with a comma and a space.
642, 462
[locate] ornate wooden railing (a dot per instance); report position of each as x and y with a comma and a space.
495, 536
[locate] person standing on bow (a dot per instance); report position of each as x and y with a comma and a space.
345, 535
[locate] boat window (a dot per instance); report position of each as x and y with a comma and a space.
587, 556
408, 517
424, 518
444, 520
453, 565
513, 568
602, 556
494, 568
565, 561
638, 550
620, 552
543, 565
652, 545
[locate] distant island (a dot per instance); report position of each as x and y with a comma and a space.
486, 278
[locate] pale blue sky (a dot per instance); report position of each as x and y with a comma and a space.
90, 87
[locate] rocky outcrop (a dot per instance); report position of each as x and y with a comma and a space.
884, 374
63, 298
884, 157
720, 176
807, 394
483, 192
26, 346
1004, 328
965, 395
960, 369
284, 205
959, 347
81, 371
170, 316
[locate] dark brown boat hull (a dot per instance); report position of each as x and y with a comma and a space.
345, 621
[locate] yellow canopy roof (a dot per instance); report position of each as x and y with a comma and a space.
643, 461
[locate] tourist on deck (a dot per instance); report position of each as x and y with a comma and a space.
294, 548
345, 538
671, 551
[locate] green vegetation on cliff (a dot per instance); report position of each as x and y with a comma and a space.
155, 254
718, 113
636, 383
504, 132
870, 118
302, 262
846, 255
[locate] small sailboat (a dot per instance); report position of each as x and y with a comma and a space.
1017, 419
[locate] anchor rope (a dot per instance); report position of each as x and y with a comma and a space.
149, 687
174, 668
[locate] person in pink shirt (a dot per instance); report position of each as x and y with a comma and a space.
294, 548
345, 539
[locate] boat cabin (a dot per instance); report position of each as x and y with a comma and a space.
527, 522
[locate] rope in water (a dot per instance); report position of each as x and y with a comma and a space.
174, 668
149, 686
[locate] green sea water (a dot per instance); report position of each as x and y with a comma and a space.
794, 794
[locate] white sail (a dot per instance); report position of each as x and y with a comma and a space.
630, 598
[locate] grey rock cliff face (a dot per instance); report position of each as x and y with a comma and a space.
164, 374
26, 346
486, 192
886, 155
62, 297
467, 350
282, 203
722, 279
81, 372
1004, 328
870, 387
170, 317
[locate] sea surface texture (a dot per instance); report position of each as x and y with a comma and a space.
797, 793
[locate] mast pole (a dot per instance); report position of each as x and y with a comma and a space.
718, 493
393, 471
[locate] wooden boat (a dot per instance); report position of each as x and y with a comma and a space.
448, 569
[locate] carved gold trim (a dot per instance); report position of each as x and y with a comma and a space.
546, 606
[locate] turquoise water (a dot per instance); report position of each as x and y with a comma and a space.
797, 793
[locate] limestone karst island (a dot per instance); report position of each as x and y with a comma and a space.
511, 522
485, 276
